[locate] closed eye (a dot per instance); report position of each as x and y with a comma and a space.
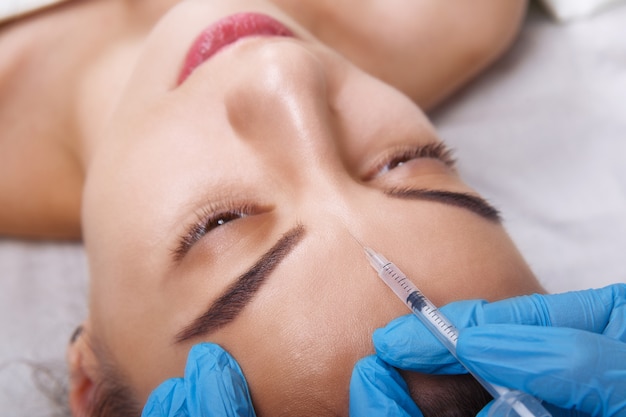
209, 219
433, 150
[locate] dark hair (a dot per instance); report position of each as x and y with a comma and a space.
436, 395
112, 397
463, 396
447, 395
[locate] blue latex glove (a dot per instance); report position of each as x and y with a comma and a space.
567, 349
213, 386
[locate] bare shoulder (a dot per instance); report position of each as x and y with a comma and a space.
43, 132
40, 175
427, 49
40, 191
39, 178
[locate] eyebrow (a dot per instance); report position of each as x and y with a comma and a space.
238, 295
228, 306
474, 204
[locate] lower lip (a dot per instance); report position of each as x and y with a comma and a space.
225, 32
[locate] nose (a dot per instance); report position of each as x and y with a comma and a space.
284, 102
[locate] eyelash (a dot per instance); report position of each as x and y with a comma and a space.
436, 150
208, 219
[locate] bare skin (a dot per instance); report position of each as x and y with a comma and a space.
52, 117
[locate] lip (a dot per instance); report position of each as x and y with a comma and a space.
225, 32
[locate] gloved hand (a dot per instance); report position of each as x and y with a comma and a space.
213, 386
567, 349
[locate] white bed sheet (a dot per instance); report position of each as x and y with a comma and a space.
541, 135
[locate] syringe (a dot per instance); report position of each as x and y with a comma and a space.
509, 403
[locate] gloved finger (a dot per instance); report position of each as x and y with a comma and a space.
215, 385
600, 311
407, 344
377, 389
566, 367
167, 400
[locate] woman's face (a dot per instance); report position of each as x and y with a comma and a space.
259, 170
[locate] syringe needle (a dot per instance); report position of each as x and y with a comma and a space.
377, 260
509, 402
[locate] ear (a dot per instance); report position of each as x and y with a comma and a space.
82, 364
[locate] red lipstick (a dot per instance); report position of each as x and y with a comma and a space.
226, 31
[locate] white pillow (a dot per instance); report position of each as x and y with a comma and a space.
13, 8
564, 10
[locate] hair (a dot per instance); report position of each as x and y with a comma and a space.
458, 396
112, 396
448, 395
463, 397
436, 396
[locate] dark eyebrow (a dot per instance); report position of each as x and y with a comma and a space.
475, 204
240, 293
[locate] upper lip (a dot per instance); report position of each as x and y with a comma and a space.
226, 31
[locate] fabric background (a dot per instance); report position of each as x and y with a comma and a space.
10, 9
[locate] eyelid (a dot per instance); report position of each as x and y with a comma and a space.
200, 227
432, 150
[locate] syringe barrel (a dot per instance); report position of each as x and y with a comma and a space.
509, 403
440, 326
421, 306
